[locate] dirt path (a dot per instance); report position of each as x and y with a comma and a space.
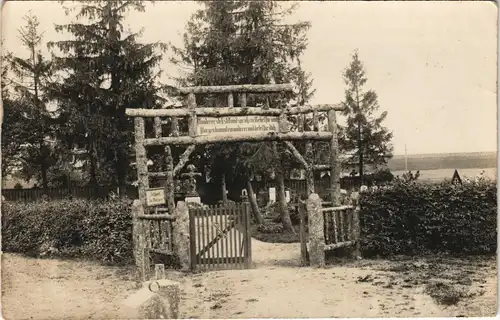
276, 287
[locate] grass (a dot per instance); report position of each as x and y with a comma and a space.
446, 294
283, 237
448, 280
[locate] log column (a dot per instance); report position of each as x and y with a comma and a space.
142, 234
141, 159
169, 181
174, 127
139, 241
308, 157
335, 165
181, 235
193, 121
316, 231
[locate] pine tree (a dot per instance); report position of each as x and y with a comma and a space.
364, 138
239, 42
108, 71
32, 77
13, 131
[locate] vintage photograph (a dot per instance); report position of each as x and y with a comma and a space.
248, 159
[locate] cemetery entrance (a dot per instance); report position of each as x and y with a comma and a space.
216, 237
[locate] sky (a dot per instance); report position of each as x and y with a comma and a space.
432, 64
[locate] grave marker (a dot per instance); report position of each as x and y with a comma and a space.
272, 194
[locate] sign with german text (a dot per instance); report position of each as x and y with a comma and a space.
155, 197
236, 124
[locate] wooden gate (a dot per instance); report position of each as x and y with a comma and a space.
220, 237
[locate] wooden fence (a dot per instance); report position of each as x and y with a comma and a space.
30, 195
152, 234
339, 225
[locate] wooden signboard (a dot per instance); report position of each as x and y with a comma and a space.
236, 124
155, 197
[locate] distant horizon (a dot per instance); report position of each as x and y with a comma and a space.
447, 153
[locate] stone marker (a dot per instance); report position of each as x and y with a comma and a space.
272, 195
157, 299
316, 231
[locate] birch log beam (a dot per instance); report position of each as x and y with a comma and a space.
243, 100
315, 120
169, 181
175, 127
141, 160
253, 88
297, 154
193, 121
335, 166
224, 111
241, 136
184, 158
300, 122
158, 127
356, 233
309, 170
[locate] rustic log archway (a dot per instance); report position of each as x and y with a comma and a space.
202, 129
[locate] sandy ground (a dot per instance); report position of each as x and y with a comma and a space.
275, 287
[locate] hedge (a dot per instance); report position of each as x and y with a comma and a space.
90, 229
405, 219
416, 218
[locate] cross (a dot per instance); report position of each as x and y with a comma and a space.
190, 176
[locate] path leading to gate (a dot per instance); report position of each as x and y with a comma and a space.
266, 254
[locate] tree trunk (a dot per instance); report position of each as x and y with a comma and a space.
43, 168
224, 189
253, 203
122, 157
93, 170
121, 172
360, 150
285, 215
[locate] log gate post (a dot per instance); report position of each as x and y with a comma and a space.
316, 231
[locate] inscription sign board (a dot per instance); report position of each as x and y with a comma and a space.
155, 197
236, 124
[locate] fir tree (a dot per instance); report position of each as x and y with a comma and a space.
241, 42
32, 76
364, 138
107, 70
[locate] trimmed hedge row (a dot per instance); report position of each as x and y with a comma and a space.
91, 229
406, 219
415, 218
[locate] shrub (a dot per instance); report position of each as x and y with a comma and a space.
92, 229
270, 228
414, 218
